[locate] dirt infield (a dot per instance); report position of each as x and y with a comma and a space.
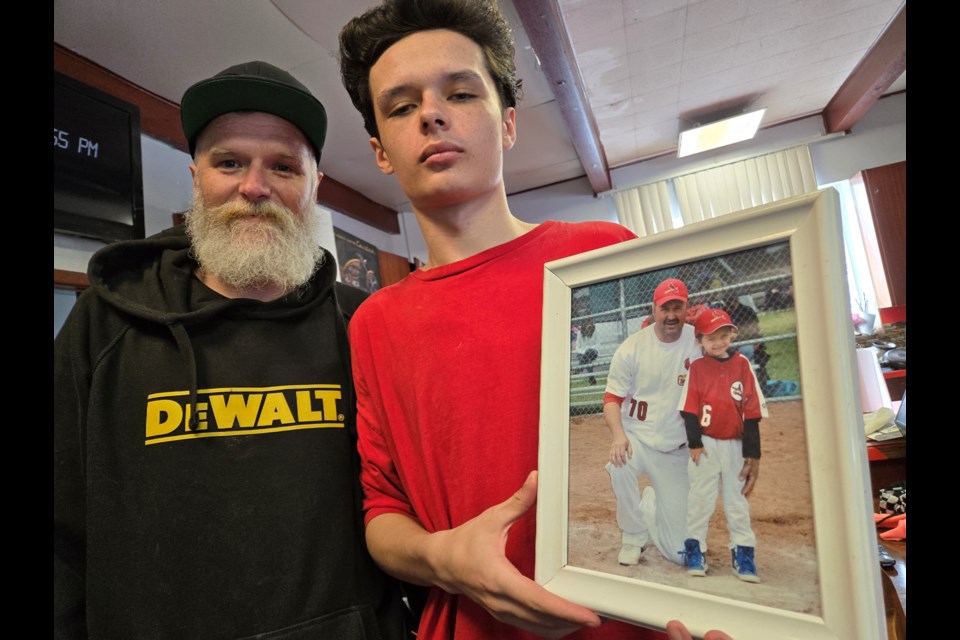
781, 513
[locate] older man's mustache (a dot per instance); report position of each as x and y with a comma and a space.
266, 210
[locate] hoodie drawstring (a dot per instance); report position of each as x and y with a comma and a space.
186, 352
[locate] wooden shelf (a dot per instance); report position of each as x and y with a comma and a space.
893, 449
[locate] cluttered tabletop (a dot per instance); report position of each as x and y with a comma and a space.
882, 364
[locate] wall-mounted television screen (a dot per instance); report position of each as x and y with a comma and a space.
97, 171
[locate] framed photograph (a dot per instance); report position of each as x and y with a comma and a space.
359, 261
778, 271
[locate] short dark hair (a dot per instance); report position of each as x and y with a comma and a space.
364, 39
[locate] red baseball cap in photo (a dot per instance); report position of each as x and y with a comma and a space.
669, 289
710, 320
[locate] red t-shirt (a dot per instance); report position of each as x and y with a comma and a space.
447, 371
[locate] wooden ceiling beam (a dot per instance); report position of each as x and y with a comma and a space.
160, 119
544, 25
880, 67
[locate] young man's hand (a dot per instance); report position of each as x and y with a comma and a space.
474, 555
470, 560
676, 631
696, 453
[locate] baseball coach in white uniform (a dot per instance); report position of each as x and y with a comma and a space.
644, 386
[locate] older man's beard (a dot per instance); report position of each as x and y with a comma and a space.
274, 248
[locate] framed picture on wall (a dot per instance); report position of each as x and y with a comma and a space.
358, 261
778, 271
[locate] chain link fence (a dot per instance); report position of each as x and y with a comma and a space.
754, 286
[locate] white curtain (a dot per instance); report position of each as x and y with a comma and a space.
645, 210
714, 192
865, 300
741, 185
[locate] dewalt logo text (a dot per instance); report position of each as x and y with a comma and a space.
243, 411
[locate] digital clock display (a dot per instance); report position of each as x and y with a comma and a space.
97, 180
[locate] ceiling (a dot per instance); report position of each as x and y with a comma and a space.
607, 83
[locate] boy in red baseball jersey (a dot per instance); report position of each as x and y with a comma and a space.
721, 406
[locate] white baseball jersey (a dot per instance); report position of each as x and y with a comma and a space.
650, 375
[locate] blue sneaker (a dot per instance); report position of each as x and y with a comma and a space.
743, 564
693, 558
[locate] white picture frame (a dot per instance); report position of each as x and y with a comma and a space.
846, 564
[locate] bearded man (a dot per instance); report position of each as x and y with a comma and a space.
205, 466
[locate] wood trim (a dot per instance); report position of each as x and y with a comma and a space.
63, 279
160, 118
544, 25
880, 67
886, 189
336, 195
393, 268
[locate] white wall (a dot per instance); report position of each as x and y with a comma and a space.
572, 201
878, 139
167, 185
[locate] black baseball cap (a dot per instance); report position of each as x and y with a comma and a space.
253, 86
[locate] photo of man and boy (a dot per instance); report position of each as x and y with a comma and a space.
684, 396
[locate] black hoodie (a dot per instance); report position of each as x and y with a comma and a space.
205, 470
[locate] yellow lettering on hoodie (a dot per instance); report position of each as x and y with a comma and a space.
243, 411
275, 410
329, 403
163, 416
305, 410
235, 410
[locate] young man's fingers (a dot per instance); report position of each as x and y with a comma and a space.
677, 631
527, 605
521, 501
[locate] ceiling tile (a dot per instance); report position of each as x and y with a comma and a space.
658, 30
589, 20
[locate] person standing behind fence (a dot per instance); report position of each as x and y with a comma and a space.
748, 328
721, 406
644, 385
585, 348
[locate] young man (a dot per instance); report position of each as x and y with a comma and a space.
448, 428
205, 471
